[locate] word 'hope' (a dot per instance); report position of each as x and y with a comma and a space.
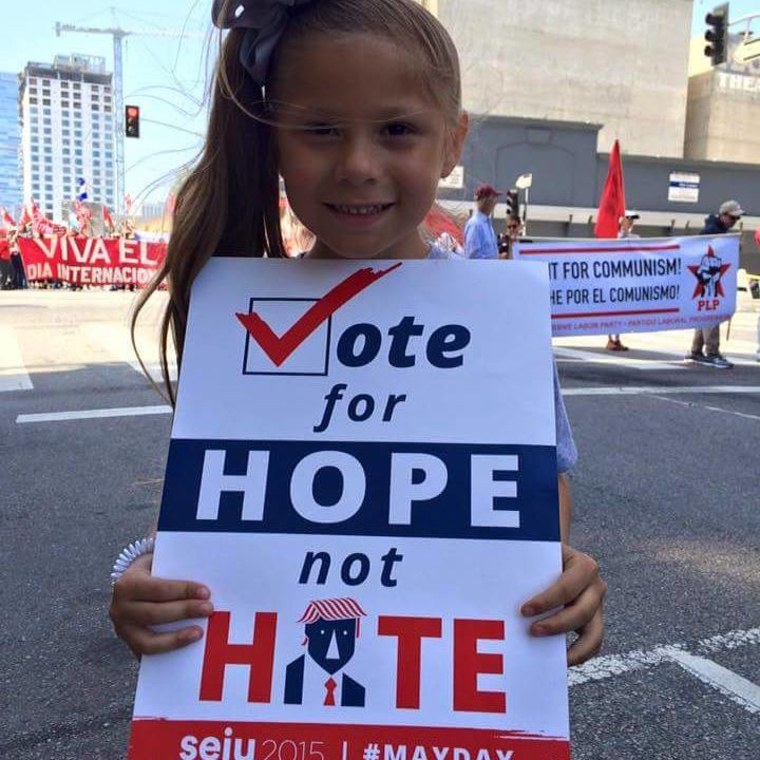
416, 478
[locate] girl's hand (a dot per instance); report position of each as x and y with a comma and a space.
140, 601
579, 591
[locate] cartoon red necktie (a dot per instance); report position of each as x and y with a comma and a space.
330, 696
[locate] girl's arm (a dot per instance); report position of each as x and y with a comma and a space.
576, 596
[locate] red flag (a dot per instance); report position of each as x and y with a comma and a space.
26, 217
107, 217
438, 221
8, 220
612, 202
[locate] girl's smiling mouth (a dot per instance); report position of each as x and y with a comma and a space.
355, 209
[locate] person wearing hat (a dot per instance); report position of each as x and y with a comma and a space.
480, 241
625, 230
708, 338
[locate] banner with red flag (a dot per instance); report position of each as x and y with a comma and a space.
612, 202
81, 260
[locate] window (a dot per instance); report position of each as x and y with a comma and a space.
45, 101
47, 140
77, 151
46, 112
67, 151
47, 131
66, 123
66, 132
77, 86
46, 121
32, 100
78, 135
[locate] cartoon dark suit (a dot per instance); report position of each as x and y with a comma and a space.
331, 628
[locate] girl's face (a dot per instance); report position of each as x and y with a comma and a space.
361, 146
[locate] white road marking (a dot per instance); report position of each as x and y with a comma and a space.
620, 360
658, 390
710, 408
92, 414
734, 686
728, 683
13, 374
116, 340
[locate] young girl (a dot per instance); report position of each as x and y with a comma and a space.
356, 104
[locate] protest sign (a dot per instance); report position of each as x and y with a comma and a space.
80, 260
363, 470
638, 284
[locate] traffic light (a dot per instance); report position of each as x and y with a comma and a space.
513, 203
132, 121
717, 34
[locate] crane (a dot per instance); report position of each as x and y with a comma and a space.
119, 35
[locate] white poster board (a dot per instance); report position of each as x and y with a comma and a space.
363, 470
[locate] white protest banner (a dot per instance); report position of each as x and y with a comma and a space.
638, 284
363, 470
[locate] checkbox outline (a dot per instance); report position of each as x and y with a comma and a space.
253, 300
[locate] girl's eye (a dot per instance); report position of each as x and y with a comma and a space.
399, 129
320, 130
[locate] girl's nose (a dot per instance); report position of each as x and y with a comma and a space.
358, 162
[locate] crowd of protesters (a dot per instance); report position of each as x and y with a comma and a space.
34, 224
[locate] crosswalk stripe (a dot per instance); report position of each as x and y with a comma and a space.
13, 374
619, 360
659, 390
728, 683
117, 342
93, 414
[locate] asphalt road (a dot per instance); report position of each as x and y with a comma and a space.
666, 497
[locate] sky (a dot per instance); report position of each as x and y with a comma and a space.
165, 75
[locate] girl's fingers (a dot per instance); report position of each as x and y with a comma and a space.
589, 641
140, 585
574, 616
580, 572
140, 613
144, 641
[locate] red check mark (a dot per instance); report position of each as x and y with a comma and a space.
278, 349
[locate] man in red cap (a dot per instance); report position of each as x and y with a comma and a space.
480, 241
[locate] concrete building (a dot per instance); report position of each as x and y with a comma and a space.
10, 144
67, 132
619, 64
723, 111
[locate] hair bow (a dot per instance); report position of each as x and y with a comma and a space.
264, 20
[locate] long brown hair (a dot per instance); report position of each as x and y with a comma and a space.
229, 203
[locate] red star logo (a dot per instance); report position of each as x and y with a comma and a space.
699, 290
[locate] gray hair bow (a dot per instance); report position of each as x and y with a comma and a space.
264, 20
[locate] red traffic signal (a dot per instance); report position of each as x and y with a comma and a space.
132, 121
